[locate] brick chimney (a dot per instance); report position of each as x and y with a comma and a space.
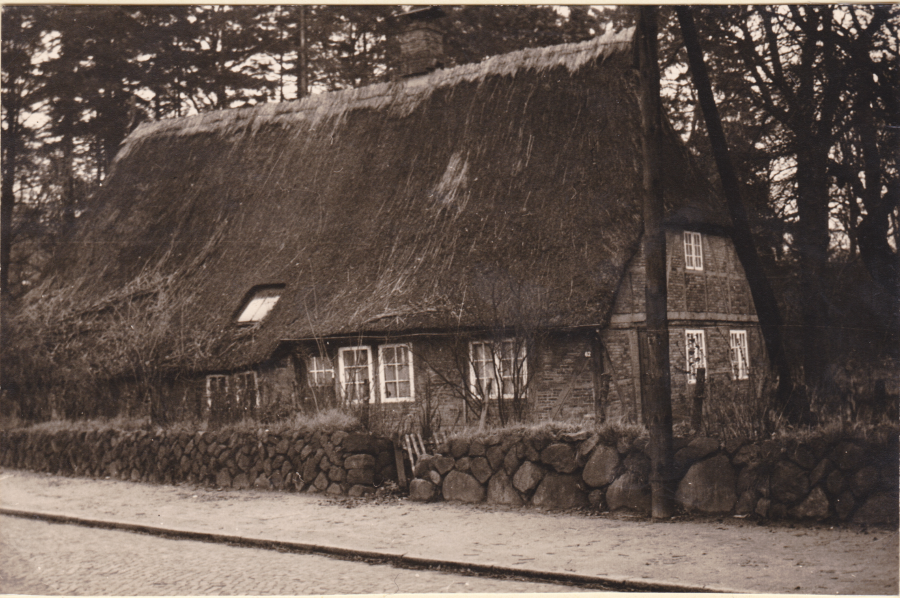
421, 41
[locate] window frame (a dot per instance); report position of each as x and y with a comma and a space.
254, 387
498, 374
312, 372
740, 369
693, 251
383, 382
689, 368
262, 300
209, 391
369, 369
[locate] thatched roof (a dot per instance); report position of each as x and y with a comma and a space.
487, 190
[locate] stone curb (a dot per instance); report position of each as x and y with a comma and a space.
402, 560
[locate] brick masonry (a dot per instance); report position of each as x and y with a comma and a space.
566, 378
716, 300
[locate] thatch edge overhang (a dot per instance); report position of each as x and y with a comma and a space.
410, 333
400, 98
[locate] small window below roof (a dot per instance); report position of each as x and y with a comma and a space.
693, 251
260, 302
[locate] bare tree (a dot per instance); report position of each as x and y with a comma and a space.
763, 296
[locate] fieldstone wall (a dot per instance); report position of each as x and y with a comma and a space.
335, 463
843, 480
840, 479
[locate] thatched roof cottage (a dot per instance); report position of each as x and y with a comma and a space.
467, 233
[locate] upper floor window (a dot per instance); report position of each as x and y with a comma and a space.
397, 380
693, 251
695, 343
498, 368
320, 371
261, 301
356, 374
740, 358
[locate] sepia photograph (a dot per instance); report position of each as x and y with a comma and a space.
410, 299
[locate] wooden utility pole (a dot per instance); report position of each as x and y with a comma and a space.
658, 392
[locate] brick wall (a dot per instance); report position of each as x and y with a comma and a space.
720, 287
715, 299
562, 371
623, 401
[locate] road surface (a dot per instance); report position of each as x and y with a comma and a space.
51, 559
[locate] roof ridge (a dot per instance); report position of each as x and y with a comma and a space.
399, 97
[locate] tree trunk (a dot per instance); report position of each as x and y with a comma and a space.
811, 242
10, 152
658, 394
7, 201
302, 58
874, 249
763, 296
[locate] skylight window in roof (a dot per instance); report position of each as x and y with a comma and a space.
262, 300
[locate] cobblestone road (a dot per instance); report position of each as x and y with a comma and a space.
56, 559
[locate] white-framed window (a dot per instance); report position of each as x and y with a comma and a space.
740, 356
319, 370
246, 390
695, 349
216, 386
497, 365
693, 251
258, 306
397, 379
355, 373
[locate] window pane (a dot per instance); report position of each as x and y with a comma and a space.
354, 363
259, 305
498, 367
396, 375
740, 363
481, 352
389, 354
693, 251
695, 342
321, 372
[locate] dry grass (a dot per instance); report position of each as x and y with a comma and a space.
326, 421
740, 412
55, 426
609, 431
875, 433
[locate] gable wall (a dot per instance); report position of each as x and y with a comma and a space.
720, 289
716, 300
